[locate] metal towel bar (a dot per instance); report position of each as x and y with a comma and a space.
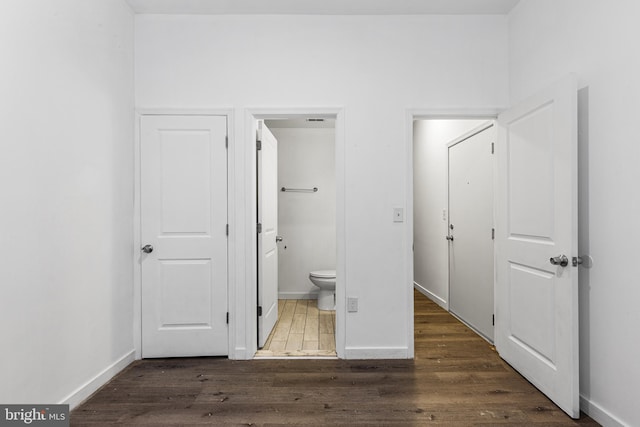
300, 190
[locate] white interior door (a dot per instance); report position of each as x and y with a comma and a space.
470, 229
183, 222
268, 220
537, 301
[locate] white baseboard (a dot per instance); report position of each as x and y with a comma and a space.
241, 353
356, 353
298, 295
433, 297
600, 414
91, 386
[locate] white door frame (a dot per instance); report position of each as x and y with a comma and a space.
250, 290
137, 212
411, 115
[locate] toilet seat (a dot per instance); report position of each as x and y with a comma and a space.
323, 274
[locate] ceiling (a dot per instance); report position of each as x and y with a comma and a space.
324, 7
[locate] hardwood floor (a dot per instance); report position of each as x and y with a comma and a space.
301, 330
456, 379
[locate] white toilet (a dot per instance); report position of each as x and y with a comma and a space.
326, 281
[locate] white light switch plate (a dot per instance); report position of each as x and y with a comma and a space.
398, 215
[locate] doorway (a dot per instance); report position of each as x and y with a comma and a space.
449, 228
536, 283
304, 193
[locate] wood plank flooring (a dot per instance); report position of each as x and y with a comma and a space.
456, 379
301, 331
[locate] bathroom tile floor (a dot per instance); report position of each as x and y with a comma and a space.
301, 330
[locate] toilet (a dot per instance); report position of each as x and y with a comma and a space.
326, 281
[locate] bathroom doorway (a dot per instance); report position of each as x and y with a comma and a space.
305, 237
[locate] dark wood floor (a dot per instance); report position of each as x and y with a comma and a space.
456, 379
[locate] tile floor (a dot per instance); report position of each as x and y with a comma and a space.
301, 330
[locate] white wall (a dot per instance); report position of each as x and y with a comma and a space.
598, 41
375, 68
66, 180
306, 221
430, 199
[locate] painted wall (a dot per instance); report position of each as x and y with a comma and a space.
66, 180
430, 203
598, 41
306, 221
375, 68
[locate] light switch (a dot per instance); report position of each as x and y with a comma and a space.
352, 305
398, 215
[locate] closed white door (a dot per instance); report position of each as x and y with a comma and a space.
536, 282
184, 238
268, 230
471, 229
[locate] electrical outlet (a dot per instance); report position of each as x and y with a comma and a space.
352, 305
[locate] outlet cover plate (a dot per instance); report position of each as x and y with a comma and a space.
352, 305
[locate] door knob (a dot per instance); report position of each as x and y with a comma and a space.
561, 260
450, 238
278, 238
147, 249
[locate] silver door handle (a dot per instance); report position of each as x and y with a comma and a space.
147, 249
278, 239
561, 260
450, 238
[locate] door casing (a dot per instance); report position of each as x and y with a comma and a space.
137, 212
428, 114
252, 115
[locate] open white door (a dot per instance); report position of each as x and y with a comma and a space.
267, 231
183, 232
536, 281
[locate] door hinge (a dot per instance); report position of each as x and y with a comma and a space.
259, 311
259, 228
227, 229
493, 234
493, 148
493, 319
258, 145
227, 317
226, 141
